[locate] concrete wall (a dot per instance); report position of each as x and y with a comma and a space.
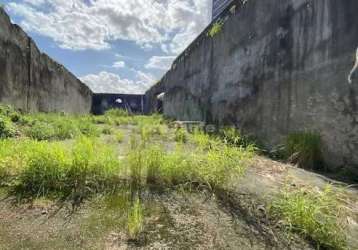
32, 81
276, 67
151, 100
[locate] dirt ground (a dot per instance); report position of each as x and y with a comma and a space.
173, 221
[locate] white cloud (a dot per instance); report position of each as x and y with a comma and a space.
106, 82
160, 62
35, 2
119, 64
93, 24
96, 24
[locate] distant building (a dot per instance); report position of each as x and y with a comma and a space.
219, 6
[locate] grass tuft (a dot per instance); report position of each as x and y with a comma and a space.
314, 214
233, 137
205, 141
304, 149
181, 135
135, 220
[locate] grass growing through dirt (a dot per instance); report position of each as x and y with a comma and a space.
151, 166
61, 156
135, 220
315, 214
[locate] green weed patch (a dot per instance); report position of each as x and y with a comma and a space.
53, 168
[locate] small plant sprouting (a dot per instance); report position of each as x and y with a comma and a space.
216, 28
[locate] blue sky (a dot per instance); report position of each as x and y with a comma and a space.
112, 45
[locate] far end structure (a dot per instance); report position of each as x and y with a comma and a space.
132, 103
219, 6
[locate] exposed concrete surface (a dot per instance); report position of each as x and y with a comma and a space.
276, 67
31, 80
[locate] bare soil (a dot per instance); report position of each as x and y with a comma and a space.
173, 221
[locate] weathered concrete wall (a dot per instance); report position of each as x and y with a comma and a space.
277, 66
32, 81
151, 101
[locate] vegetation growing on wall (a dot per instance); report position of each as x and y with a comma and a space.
216, 28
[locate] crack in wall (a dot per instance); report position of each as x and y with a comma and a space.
353, 69
29, 74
